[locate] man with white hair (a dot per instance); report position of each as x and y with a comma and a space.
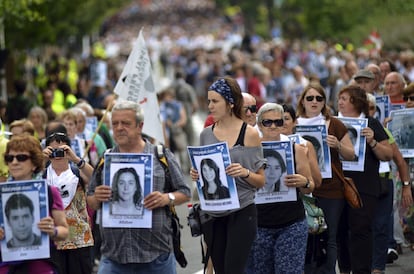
394, 85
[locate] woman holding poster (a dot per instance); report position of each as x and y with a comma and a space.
353, 103
313, 110
280, 245
24, 159
224, 233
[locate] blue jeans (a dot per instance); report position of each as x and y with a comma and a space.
381, 228
332, 208
164, 264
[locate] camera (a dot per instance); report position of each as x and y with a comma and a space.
193, 219
57, 152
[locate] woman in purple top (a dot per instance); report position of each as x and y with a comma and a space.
25, 161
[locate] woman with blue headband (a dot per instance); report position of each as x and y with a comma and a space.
229, 236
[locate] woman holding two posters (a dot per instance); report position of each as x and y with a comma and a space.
280, 245
230, 234
313, 110
24, 158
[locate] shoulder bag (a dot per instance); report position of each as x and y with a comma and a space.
351, 193
314, 215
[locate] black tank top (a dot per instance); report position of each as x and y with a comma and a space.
240, 139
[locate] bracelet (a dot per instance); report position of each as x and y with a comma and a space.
373, 146
81, 164
307, 184
248, 174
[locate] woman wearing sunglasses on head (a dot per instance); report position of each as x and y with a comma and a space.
312, 109
70, 175
282, 233
24, 159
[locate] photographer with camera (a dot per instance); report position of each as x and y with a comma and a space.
69, 173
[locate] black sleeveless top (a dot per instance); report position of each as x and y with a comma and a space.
281, 214
242, 133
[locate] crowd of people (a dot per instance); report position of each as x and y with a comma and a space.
255, 91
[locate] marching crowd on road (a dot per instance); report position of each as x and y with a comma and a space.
59, 126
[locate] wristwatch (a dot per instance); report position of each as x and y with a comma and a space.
171, 196
406, 183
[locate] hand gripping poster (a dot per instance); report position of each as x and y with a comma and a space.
217, 190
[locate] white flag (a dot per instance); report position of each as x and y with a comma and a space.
136, 84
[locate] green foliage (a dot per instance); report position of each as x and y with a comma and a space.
334, 20
53, 21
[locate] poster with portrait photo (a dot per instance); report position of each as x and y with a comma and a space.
217, 190
130, 177
316, 134
354, 127
91, 123
23, 205
280, 162
77, 147
382, 109
402, 128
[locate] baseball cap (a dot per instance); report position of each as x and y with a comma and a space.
364, 73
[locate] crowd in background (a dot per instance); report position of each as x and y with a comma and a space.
190, 46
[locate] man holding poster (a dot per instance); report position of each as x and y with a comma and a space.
139, 250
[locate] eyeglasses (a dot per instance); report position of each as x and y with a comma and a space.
268, 122
311, 97
405, 98
252, 108
19, 157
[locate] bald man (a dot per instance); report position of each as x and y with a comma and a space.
394, 85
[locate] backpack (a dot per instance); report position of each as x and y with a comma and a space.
175, 220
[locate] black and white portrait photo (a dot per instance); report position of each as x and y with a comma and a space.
127, 196
274, 171
21, 218
213, 187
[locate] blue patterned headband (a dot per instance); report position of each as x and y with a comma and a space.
220, 86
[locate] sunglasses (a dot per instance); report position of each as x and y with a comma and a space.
252, 108
268, 122
19, 157
406, 98
311, 97
56, 134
